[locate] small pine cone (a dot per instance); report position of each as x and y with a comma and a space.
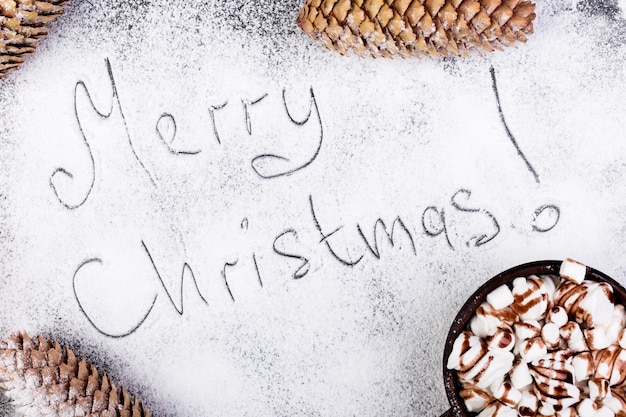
43, 379
23, 23
413, 28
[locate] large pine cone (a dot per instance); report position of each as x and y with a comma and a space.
43, 379
23, 24
417, 27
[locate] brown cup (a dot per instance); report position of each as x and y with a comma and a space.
461, 322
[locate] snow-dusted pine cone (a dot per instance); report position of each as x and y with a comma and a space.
44, 379
417, 27
23, 23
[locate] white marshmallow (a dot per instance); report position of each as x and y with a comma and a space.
551, 336
598, 389
507, 394
520, 375
465, 341
500, 298
605, 362
615, 325
475, 399
489, 411
520, 286
586, 408
502, 339
622, 339
561, 356
559, 372
546, 409
618, 376
573, 271
506, 412
597, 304
604, 412
555, 392
549, 285
558, 316
492, 367
497, 409
596, 338
533, 349
613, 404
574, 337
498, 368
583, 366
528, 405
484, 324
471, 357
528, 329
567, 412
533, 304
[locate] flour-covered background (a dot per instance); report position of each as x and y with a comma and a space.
194, 196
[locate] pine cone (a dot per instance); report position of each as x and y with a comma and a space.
412, 28
43, 379
23, 24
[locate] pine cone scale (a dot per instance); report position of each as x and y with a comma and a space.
44, 379
23, 23
417, 27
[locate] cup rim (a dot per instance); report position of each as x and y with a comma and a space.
466, 312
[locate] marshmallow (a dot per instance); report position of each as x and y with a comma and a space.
500, 298
485, 322
573, 271
558, 393
596, 338
549, 373
614, 404
532, 349
507, 394
558, 356
475, 399
568, 295
605, 360
546, 410
497, 409
598, 389
492, 367
533, 303
597, 306
525, 330
503, 339
558, 316
618, 376
520, 286
604, 412
587, 408
520, 375
590, 303
583, 366
574, 337
462, 344
620, 394
551, 336
470, 358
549, 285
528, 405
567, 412
615, 326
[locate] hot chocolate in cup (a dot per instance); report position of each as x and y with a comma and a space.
463, 319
